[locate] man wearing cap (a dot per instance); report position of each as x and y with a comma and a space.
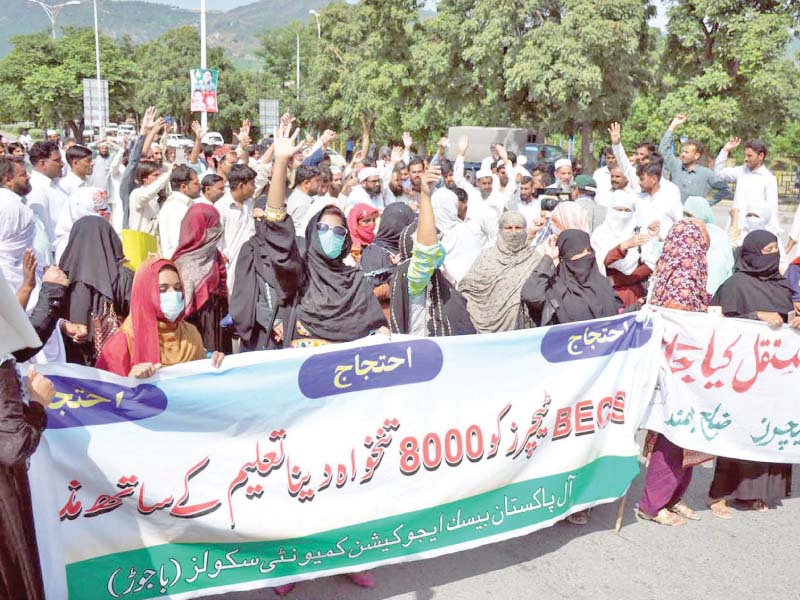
563, 173
101, 174
368, 190
486, 193
583, 193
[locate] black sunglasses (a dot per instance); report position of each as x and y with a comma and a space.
337, 229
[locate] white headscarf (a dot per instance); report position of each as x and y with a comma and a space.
461, 245
619, 226
762, 215
85, 201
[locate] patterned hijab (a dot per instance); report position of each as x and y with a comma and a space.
682, 271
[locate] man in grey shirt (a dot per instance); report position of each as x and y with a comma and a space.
583, 193
691, 178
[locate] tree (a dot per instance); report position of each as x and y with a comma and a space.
43, 78
583, 67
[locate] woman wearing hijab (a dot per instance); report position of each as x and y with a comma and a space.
268, 273
461, 245
626, 256
99, 281
85, 201
202, 269
361, 225
565, 215
380, 258
720, 253
154, 334
566, 285
423, 301
680, 283
757, 290
492, 285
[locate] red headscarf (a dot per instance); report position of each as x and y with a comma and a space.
363, 235
146, 336
199, 262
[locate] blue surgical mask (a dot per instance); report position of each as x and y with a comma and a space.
331, 243
171, 305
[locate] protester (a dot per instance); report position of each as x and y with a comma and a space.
680, 284
236, 212
154, 334
423, 300
202, 270
185, 189
100, 285
461, 245
603, 174
720, 254
79, 160
758, 291
380, 258
46, 199
626, 256
583, 194
361, 223
493, 283
691, 178
268, 273
145, 200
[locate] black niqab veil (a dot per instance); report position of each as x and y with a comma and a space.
337, 303
94, 255
757, 283
578, 288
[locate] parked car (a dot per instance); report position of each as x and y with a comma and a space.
542, 153
213, 138
111, 130
178, 140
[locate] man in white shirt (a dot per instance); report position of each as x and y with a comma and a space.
212, 188
236, 214
618, 182
602, 176
526, 204
654, 204
185, 188
368, 190
79, 159
46, 199
306, 185
753, 180
25, 139
563, 175
143, 200
101, 172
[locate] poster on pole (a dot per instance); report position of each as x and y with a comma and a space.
95, 102
268, 116
203, 90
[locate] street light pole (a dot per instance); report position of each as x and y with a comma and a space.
52, 10
96, 43
203, 58
316, 16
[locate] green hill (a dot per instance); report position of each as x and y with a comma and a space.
236, 29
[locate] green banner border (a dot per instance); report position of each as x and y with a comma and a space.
605, 478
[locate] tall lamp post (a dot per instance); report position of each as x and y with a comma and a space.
203, 57
52, 11
96, 42
316, 16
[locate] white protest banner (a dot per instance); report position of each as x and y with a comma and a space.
729, 387
292, 465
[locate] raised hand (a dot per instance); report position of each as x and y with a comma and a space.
198, 130
148, 120
284, 144
732, 144
463, 144
327, 137
407, 140
615, 131
677, 121
501, 152
396, 155
430, 178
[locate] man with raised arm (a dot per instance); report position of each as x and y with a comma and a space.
692, 178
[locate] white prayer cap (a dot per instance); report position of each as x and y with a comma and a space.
483, 172
523, 171
368, 172
335, 169
563, 162
487, 163
522, 160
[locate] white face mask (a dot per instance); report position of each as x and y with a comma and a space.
172, 305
